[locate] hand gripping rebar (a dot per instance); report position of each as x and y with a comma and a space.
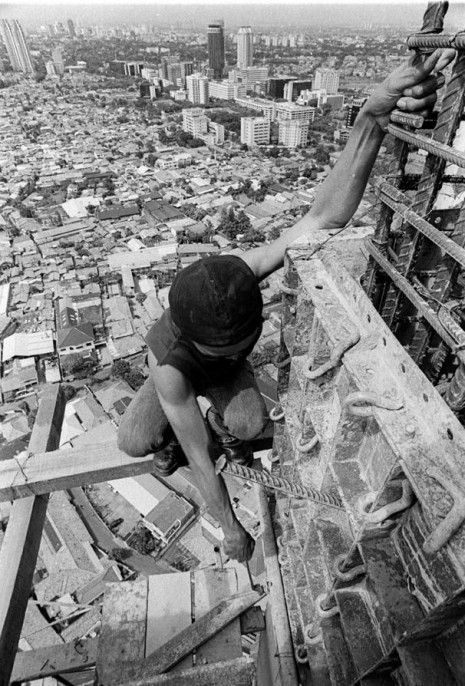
222, 465
336, 355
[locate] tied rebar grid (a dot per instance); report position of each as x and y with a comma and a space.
277, 483
445, 268
396, 172
430, 181
397, 201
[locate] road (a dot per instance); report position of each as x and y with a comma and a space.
103, 537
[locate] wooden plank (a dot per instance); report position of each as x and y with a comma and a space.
20, 548
57, 659
169, 609
237, 672
212, 586
122, 637
188, 639
61, 469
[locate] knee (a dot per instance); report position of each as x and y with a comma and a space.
247, 427
132, 443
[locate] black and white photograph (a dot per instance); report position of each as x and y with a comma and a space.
232, 343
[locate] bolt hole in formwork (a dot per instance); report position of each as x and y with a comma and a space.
318, 286
402, 366
368, 318
384, 341
425, 397
450, 435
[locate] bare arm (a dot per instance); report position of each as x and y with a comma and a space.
411, 87
178, 400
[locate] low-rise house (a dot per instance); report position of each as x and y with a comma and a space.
19, 384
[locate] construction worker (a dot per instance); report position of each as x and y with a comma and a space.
200, 344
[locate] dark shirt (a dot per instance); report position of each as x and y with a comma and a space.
169, 347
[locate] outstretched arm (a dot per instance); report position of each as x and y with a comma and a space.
412, 87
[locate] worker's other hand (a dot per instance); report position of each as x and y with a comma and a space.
238, 544
412, 87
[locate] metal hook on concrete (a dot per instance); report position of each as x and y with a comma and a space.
336, 355
352, 403
301, 654
287, 290
324, 600
306, 446
452, 521
312, 633
276, 413
386, 511
349, 574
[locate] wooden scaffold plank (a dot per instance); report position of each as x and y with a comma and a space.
20, 547
57, 659
44, 472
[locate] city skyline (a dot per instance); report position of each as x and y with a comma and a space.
266, 13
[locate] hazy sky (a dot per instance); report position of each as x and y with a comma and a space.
273, 13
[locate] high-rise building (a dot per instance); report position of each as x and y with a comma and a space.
194, 121
16, 46
289, 111
58, 61
244, 47
215, 35
353, 109
327, 79
293, 89
255, 130
71, 29
293, 133
275, 86
197, 89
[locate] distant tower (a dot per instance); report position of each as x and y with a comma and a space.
16, 46
216, 47
57, 59
71, 29
244, 47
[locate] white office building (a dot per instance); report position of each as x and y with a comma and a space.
293, 133
327, 79
255, 131
290, 111
194, 121
197, 89
244, 47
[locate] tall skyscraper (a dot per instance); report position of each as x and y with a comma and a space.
215, 35
16, 46
71, 29
244, 47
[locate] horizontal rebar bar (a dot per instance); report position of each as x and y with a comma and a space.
416, 121
397, 201
279, 484
441, 40
428, 144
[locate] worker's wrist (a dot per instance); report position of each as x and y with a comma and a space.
375, 123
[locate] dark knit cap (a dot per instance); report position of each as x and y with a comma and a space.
216, 301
